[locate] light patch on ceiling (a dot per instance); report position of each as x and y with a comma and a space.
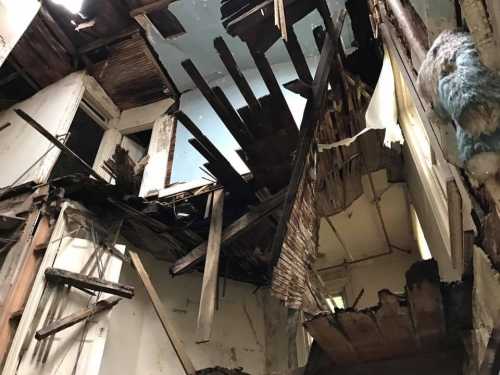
73, 6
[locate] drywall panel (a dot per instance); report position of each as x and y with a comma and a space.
362, 218
238, 335
15, 17
137, 119
21, 147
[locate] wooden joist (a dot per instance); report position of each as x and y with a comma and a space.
218, 164
297, 55
151, 7
238, 77
84, 282
230, 233
287, 121
225, 111
313, 115
75, 318
208, 298
160, 310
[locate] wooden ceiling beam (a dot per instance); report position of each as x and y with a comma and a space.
157, 5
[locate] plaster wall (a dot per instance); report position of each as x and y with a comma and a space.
21, 146
138, 345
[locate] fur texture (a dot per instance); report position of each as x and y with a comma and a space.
459, 86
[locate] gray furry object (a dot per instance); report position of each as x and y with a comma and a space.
459, 86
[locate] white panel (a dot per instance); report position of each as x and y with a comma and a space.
21, 146
15, 17
137, 119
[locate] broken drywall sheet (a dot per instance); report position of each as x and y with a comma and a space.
382, 112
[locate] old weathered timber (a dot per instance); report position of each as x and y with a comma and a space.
313, 114
84, 282
230, 233
238, 77
71, 320
208, 298
184, 359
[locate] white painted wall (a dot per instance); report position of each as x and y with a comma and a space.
141, 118
138, 345
15, 17
20, 145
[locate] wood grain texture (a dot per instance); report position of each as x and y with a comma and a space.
208, 298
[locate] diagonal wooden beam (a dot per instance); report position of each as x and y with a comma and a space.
313, 115
58, 276
208, 298
230, 233
75, 318
160, 310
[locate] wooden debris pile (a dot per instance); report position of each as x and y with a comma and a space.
415, 325
126, 173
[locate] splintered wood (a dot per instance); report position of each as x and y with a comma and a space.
397, 327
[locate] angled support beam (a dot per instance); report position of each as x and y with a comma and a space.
160, 310
208, 298
39, 128
230, 233
226, 113
238, 77
75, 318
151, 7
266, 71
297, 55
83, 282
313, 115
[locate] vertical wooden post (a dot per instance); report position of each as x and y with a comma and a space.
209, 289
186, 363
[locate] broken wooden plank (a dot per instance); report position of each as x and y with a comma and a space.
228, 115
281, 106
39, 128
160, 310
71, 320
238, 77
84, 282
211, 272
8, 222
297, 56
151, 7
313, 115
230, 233
332, 340
232, 179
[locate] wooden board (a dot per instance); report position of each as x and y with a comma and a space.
208, 298
160, 310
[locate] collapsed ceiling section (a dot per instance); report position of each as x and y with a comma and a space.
105, 37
